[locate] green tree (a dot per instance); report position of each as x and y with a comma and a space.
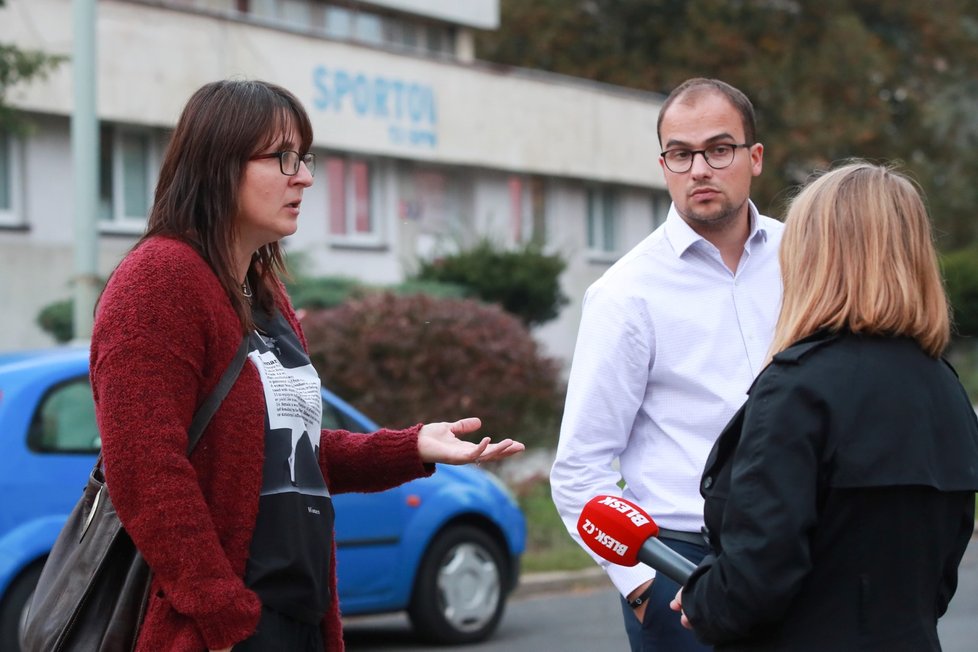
17, 66
830, 79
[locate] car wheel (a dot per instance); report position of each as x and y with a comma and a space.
13, 608
459, 593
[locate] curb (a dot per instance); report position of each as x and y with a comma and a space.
534, 584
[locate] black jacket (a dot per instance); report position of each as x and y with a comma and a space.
839, 502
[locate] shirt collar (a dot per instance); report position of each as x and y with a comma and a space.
681, 236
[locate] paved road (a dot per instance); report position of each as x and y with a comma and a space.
589, 619
579, 621
958, 628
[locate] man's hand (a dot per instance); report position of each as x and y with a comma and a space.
639, 611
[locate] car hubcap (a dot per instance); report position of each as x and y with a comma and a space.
469, 586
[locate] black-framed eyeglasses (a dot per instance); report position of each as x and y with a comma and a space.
288, 161
716, 156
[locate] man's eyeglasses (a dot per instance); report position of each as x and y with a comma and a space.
716, 156
288, 161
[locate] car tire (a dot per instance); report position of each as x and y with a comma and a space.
14, 604
460, 591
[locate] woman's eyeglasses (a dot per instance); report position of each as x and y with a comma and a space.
288, 161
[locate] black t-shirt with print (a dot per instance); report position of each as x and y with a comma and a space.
288, 566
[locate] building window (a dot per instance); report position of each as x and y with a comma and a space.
339, 22
296, 12
440, 39
350, 200
661, 201
368, 28
401, 33
425, 196
344, 20
128, 161
9, 174
602, 222
528, 209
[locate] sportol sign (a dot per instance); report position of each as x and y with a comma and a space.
407, 110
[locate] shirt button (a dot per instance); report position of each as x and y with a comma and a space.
707, 482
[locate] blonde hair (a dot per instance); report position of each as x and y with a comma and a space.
858, 255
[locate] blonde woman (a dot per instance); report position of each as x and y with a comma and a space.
840, 498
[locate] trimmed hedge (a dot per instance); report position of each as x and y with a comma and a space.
416, 358
57, 319
961, 280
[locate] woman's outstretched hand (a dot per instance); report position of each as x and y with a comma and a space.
438, 442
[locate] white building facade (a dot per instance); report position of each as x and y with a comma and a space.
421, 149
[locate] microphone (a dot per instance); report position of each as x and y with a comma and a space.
621, 532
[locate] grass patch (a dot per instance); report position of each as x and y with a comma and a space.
549, 546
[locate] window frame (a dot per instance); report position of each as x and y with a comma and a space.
529, 214
118, 220
35, 441
660, 202
351, 236
596, 233
12, 216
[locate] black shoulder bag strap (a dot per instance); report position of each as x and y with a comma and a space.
212, 402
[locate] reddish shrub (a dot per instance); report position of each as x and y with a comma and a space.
409, 359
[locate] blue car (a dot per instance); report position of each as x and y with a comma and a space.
445, 548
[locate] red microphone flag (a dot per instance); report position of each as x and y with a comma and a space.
615, 528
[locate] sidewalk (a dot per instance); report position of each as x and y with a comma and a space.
532, 584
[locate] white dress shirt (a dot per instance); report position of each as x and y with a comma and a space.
669, 342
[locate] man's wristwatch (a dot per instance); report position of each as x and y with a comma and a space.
642, 599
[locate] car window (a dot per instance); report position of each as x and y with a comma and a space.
334, 419
65, 420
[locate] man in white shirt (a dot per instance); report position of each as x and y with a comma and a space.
671, 337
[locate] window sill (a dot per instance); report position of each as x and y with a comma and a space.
119, 230
602, 257
358, 245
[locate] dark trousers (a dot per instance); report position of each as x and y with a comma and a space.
278, 633
661, 630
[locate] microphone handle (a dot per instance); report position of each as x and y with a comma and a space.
665, 560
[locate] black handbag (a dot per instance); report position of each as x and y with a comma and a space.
94, 587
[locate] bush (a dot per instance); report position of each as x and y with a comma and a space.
961, 279
58, 320
330, 291
435, 289
525, 282
416, 358
322, 292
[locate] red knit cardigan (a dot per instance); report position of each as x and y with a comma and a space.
164, 333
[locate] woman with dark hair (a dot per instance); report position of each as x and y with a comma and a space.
841, 497
239, 536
